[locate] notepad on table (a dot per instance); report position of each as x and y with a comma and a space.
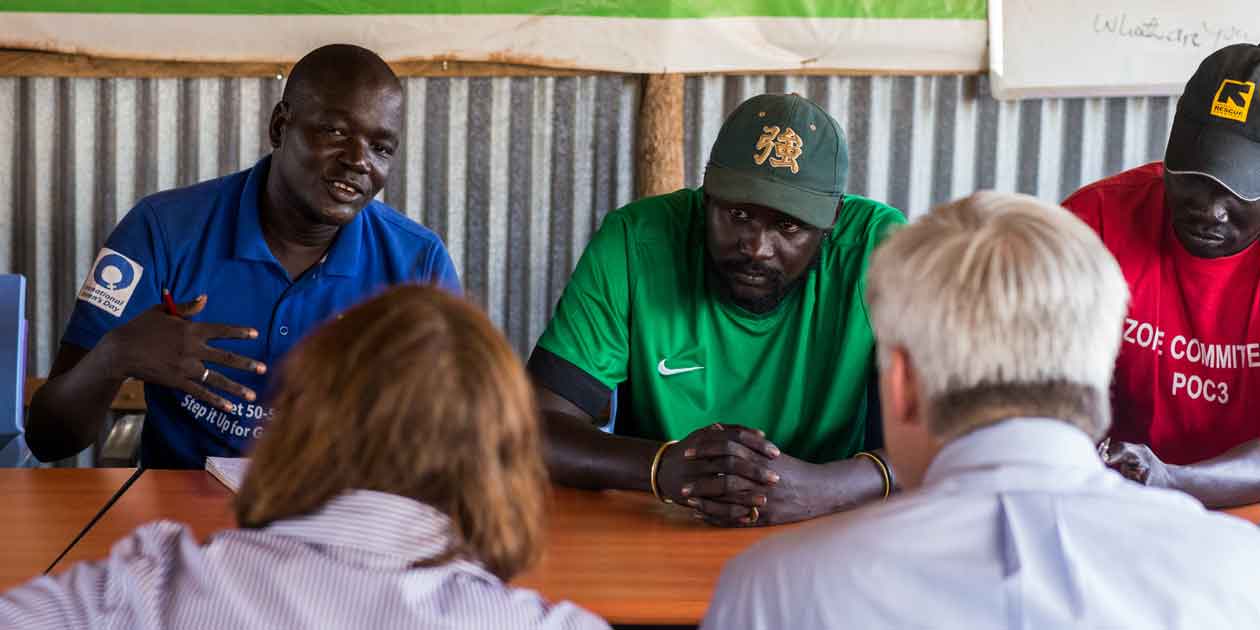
230, 471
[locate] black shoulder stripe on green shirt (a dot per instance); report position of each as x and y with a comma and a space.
568, 381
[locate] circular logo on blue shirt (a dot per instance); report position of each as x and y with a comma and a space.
114, 272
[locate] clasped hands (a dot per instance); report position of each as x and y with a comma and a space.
732, 476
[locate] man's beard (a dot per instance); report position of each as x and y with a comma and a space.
779, 287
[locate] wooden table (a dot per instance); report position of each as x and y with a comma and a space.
1248, 512
188, 496
43, 511
633, 560
620, 555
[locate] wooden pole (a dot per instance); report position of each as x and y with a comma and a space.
660, 152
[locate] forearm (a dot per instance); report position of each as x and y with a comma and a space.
851, 483
66, 413
1232, 478
582, 456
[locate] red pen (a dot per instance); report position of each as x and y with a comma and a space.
168, 303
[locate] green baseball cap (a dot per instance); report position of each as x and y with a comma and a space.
784, 152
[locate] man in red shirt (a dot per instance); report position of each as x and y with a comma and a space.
1186, 392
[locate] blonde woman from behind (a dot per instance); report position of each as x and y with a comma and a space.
400, 485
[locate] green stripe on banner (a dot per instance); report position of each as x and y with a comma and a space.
899, 9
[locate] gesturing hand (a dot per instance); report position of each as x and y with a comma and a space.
171, 351
719, 463
1139, 463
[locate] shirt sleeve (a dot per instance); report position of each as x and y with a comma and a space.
884, 221
742, 599
126, 278
113, 593
591, 326
1086, 204
47, 602
439, 270
883, 226
874, 414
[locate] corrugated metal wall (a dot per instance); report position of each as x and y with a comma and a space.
917, 141
513, 173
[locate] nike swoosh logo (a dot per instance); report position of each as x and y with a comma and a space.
664, 371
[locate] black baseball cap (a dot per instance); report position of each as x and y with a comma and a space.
1216, 132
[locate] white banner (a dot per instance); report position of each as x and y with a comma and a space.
614, 44
1109, 47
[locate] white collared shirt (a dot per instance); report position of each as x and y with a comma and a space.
1018, 526
349, 565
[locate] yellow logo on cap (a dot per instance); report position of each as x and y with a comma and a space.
787, 148
1233, 100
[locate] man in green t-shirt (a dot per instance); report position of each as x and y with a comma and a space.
730, 318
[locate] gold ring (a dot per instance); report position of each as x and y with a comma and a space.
753, 515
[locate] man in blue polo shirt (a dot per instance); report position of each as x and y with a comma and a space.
254, 260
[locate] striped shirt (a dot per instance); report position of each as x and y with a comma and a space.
349, 565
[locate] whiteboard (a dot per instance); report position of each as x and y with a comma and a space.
1109, 47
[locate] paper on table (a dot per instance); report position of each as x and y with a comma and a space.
230, 471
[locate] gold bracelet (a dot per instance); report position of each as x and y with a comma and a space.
883, 470
656, 465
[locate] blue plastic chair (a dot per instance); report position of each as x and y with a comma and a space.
12, 368
612, 414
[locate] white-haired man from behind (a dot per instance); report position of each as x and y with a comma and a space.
998, 318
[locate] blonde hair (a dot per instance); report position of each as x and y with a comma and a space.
1005, 305
416, 394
